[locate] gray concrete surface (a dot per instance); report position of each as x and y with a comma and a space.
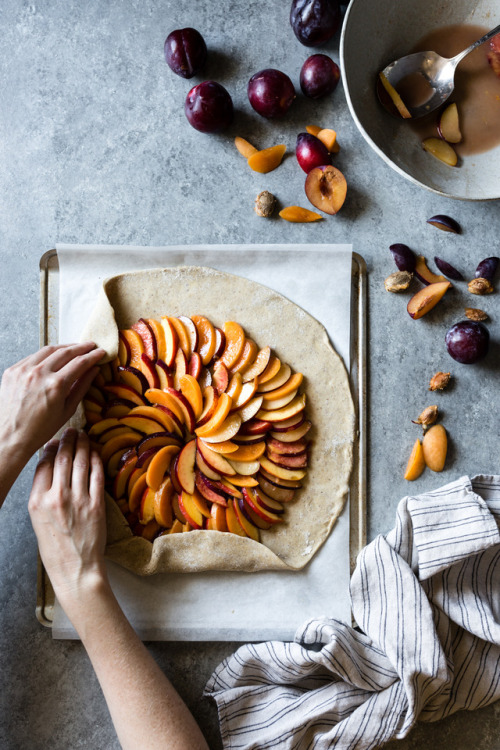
95, 148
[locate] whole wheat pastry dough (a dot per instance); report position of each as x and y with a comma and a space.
300, 340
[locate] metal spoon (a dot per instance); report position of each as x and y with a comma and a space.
438, 72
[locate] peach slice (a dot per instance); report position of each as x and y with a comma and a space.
192, 332
163, 503
246, 358
147, 506
157, 440
208, 490
136, 346
441, 150
424, 273
200, 503
121, 479
184, 340
171, 340
98, 429
226, 486
328, 138
395, 97
125, 392
244, 147
427, 298
221, 411
225, 447
281, 377
148, 369
253, 500
145, 331
243, 481
159, 465
249, 452
180, 367
294, 475
152, 413
184, 468
313, 129
206, 338
245, 468
247, 392
234, 387
121, 441
226, 431
165, 377
271, 370
233, 525
259, 365
299, 215
142, 424
288, 387
192, 392
133, 377
189, 510
184, 407
248, 527
449, 124
215, 461
205, 469
326, 189
165, 398
416, 462
235, 341
434, 447
218, 514
121, 429
250, 409
268, 159
195, 366
210, 399
220, 377
123, 352
159, 335
136, 491
290, 410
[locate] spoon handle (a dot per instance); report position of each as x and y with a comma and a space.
483, 39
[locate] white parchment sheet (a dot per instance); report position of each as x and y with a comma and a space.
219, 605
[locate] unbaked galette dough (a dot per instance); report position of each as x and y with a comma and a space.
298, 339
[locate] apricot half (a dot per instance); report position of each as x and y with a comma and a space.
434, 447
416, 462
266, 160
427, 298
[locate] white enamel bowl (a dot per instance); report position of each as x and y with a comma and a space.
373, 34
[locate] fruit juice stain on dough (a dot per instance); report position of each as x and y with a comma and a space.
477, 90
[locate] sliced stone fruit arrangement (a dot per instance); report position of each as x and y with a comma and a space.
198, 429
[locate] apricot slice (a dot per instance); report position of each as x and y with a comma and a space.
191, 390
313, 129
441, 150
235, 341
163, 504
159, 465
182, 335
398, 102
136, 346
159, 334
290, 385
434, 447
258, 366
268, 159
298, 215
271, 370
221, 411
427, 298
206, 338
246, 358
416, 462
249, 452
328, 138
244, 147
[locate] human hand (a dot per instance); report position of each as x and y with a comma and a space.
41, 392
67, 511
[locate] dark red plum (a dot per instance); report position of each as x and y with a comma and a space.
209, 107
314, 22
468, 341
450, 271
487, 268
404, 258
310, 152
270, 92
319, 76
185, 52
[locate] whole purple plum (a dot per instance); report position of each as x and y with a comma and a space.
319, 76
468, 341
314, 22
185, 52
209, 107
271, 93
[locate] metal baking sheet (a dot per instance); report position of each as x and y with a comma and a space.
49, 316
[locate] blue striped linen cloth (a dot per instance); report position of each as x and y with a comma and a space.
426, 598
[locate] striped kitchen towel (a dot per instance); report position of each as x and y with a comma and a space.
426, 598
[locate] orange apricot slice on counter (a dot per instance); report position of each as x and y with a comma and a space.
328, 138
244, 147
416, 462
435, 447
298, 215
235, 341
268, 159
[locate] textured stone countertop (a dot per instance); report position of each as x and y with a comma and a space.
95, 148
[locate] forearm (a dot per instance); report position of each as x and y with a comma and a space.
13, 459
145, 708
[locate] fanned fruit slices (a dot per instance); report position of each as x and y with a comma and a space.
198, 428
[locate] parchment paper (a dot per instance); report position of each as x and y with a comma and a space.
226, 606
